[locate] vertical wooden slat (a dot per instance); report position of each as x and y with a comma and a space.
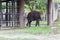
6, 13
17, 14
13, 12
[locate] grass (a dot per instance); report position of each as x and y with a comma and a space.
41, 22
58, 1
2, 38
31, 30
38, 30
56, 23
25, 39
45, 22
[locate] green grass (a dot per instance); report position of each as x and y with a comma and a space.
41, 22
38, 30
2, 38
56, 23
24, 39
58, 1
45, 22
31, 30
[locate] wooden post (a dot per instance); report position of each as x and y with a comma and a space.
18, 13
49, 13
21, 17
6, 15
13, 12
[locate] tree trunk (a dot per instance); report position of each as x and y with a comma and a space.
0, 13
21, 17
49, 13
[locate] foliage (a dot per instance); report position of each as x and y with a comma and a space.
38, 5
56, 1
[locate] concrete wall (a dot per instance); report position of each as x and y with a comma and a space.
55, 11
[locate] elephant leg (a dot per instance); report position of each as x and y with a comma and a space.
28, 23
37, 23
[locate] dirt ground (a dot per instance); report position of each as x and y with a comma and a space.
30, 36
54, 35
